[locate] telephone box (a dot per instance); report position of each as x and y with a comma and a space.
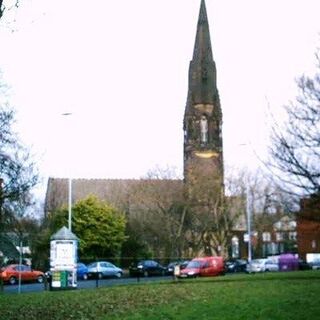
63, 260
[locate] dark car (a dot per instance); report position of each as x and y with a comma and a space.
147, 268
170, 267
237, 265
303, 265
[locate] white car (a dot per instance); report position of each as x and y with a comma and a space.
262, 265
271, 265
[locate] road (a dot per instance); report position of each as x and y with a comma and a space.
38, 287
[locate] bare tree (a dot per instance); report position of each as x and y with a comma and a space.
158, 213
17, 170
6, 5
295, 148
267, 202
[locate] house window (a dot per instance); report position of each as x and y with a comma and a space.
279, 236
293, 235
266, 236
281, 247
313, 244
274, 248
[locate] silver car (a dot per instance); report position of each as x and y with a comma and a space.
271, 265
101, 269
262, 265
257, 265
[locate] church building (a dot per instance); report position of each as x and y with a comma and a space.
203, 156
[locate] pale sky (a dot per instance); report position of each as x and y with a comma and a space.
121, 68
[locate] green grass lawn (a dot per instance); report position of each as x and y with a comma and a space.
272, 296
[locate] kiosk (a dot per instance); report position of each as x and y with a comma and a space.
63, 260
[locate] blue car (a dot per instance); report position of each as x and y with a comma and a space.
82, 271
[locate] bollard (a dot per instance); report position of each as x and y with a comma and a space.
45, 283
97, 281
176, 272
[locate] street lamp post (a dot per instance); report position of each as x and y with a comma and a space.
248, 222
248, 213
69, 190
69, 203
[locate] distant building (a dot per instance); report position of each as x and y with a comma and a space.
308, 226
280, 238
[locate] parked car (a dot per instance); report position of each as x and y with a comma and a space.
101, 269
303, 265
147, 268
11, 273
271, 265
208, 266
82, 271
288, 262
262, 265
237, 265
170, 267
313, 260
256, 265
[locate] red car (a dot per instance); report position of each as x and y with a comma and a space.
204, 267
11, 273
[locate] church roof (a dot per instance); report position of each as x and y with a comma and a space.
118, 192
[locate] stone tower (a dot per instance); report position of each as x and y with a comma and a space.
203, 158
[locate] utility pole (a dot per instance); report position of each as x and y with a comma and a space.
248, 222
67, 114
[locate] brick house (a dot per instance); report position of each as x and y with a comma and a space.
308, 226
281, 237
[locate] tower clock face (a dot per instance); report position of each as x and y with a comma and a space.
206, 154
204, 108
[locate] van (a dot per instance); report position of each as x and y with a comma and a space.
204, 267
288, 262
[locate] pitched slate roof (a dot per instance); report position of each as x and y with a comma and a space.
117, 192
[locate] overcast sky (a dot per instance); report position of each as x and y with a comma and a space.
121, 68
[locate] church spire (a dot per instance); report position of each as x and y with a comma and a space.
203, 116
202, 70
202, 46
